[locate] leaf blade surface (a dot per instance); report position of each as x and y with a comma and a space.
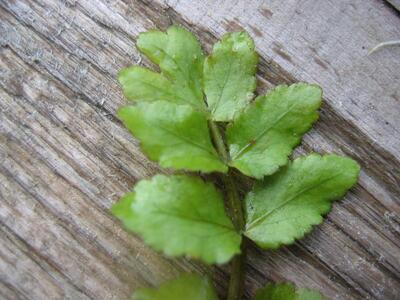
188, 286
285, 206
229, 75
180, 58
287, 291
141, 84
174, 135
180, 215
263, 136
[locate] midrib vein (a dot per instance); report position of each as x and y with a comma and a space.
223, 87
165, 91
187, 140
180, 216
267, 214
254, 141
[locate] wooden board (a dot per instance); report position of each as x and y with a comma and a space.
65, 157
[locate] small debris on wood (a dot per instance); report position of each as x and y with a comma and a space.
383, 45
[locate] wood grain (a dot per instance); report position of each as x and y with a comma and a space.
65, 157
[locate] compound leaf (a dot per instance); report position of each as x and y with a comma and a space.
180, 58
263, 136
174, 135
188, 286
229, 75
287, 291
284, 206
180, 215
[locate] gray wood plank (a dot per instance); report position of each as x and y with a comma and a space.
65, 157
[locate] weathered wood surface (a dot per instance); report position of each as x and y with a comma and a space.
65, 158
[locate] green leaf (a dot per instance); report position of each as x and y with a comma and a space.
263, 136
284, 206
229, 75
180, 215
174, 135
287, 291
185, 287
141, 84
307, 294
180, 58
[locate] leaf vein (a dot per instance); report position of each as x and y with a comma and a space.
223, 87
254, 141
187, 140
197, 220
261, 218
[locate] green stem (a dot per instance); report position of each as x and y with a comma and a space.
236, 282
219, 141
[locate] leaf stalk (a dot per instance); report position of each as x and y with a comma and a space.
236, 282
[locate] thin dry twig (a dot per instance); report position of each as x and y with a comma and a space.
383, 45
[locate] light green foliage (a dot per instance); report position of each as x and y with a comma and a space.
284, 206
229, 75
141, 84
263, 136
174, 135
308, 294
185, 287
180, 58
286, 291
183, 215
180, 215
